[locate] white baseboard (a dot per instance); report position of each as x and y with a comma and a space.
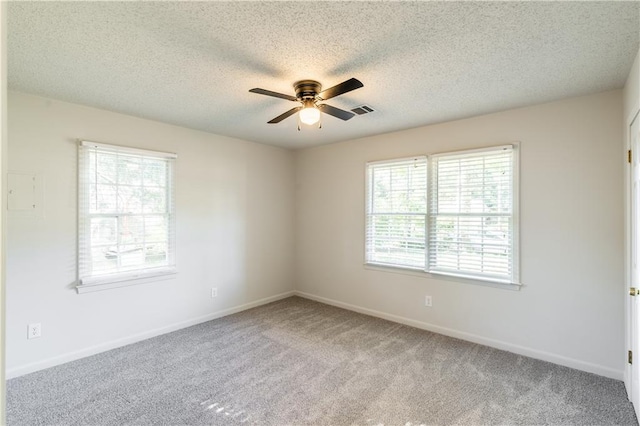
102, 347
509, 347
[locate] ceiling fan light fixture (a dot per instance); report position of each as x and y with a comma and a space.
309, 114
309, 93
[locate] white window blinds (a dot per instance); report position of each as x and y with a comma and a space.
126, 213
471, 215
461, 221
397, 212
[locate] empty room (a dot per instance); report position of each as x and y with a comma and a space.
320, 213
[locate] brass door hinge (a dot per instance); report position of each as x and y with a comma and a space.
629, 156
630, 357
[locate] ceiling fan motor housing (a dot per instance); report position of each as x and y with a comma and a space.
307, 89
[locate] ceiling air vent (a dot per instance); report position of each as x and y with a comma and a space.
363, 109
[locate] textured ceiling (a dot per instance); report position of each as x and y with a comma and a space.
193, 63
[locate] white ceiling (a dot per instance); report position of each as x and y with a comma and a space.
193, 63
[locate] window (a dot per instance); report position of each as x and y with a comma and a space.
126, 214
397, 212
471, 216
461, 221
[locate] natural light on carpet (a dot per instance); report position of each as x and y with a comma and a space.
225, 410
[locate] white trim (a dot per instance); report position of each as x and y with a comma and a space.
126, 281
630, 314
136, 274
475, 278
466, 152
128, 150
515, 212
103, 347
474, 338
628, 187
407, 160
419, 272
632, 115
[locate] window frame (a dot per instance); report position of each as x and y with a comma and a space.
368, 200
87, 282
512, 283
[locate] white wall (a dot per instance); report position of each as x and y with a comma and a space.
569, 311
3, 169
234, 202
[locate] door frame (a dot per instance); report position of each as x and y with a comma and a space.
632, 332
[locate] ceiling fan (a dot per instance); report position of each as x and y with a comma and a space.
309, 93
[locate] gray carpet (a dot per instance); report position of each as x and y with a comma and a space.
300, 362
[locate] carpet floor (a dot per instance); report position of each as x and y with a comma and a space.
299, 362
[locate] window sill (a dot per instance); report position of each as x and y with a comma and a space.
443, 276
91, 284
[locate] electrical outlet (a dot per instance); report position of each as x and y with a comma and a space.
427, 301
214, 292
34, 331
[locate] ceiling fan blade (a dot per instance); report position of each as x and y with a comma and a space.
344, 87
274, 94
285, 115
336, 112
